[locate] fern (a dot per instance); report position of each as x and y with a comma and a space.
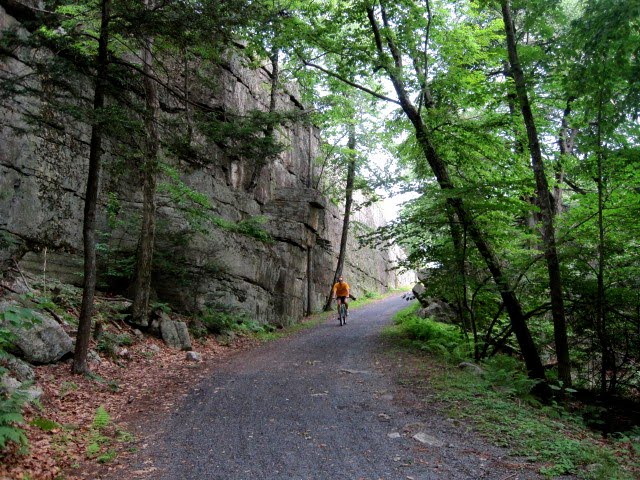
101, 418
10, 419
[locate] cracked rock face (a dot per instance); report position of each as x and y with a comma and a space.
42, 182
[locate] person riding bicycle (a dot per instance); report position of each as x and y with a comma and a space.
341, 292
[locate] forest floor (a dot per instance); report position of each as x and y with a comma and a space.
67, 435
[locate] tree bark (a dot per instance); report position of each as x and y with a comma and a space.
544, 200
439, 168
351, 174
565, 143
270, 130
608, 377
144, 261
91, 198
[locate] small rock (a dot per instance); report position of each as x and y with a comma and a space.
93, 357
32, 393
427, 439
394, 435
384, 417
19, 368
194, 356
138, 333
471, 366
9, 384
154, 348
124, 353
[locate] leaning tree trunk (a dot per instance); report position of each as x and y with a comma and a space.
351, 174
439, 168
91, 198
544, 200
144, 261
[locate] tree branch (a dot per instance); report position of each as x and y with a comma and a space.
349, 82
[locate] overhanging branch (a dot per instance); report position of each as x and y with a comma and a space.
349, 82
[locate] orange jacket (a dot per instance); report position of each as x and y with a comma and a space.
341, 289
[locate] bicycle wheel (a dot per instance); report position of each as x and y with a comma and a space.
342, 314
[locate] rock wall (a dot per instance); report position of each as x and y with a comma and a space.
42, 181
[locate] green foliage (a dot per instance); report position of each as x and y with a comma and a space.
11, 404
160, 306
45, 424
109, 342
244, 136
251, 227
198, 208
560, 443
219, 321
102, 437
106, 457
11, 418
16, 317
101, 418
67, 387
441, 339
508, 375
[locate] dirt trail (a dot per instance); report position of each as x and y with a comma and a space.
318, 405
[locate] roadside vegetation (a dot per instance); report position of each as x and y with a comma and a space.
495, 397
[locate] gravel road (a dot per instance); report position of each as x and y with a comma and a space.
318, 405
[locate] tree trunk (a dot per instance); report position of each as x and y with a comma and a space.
608, 375
269, 131
565, 143
439, 168
351, 174
144, 261
544, 200
91, 198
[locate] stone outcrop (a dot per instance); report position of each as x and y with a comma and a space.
175, 334
44, 341
42, 180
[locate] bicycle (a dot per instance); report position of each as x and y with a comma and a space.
342, 314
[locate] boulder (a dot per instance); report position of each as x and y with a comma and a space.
175, 334
419, 291
193, 357
471, 367
439, 311
20, 369
44, 342
11, 385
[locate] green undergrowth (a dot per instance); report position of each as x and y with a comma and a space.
499, 404
103, 438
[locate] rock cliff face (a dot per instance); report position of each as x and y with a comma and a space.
42, 181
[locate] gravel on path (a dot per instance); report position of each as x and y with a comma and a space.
318, 405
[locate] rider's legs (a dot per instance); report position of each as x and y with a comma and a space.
343, 301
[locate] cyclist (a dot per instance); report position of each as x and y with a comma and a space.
341, 292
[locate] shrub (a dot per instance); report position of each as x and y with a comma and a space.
110, 342
11, 403
438, 338
220, 322
507, 374
11, 418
